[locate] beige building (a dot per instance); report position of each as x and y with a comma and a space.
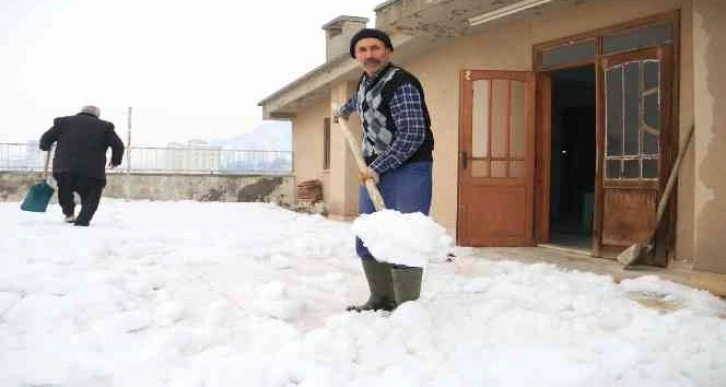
555, 121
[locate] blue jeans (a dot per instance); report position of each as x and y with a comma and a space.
405, 189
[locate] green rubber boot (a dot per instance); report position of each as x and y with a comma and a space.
406, 283
378, 275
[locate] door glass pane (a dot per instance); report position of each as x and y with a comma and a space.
499, 168
499, 143
612, 169
648, 36
614, 115
479, 168
651, 74
633, 101
650, 110
650, 143
631, 169
480, 118
517, 145
578, 51
632, 109
516, 169
650, 168
500, 117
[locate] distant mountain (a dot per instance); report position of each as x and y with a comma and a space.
267, 135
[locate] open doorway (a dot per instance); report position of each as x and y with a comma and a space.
572, 164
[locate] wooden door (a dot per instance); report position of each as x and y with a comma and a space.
496, 158
632, 146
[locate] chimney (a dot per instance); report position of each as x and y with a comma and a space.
338, 33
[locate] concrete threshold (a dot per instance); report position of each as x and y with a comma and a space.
566, 249
576, 259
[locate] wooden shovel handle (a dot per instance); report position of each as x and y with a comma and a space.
371, 187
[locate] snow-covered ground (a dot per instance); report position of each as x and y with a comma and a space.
242, 294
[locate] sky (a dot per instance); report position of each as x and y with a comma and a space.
188, 68
250, 294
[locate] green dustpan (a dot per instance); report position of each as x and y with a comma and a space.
39, 194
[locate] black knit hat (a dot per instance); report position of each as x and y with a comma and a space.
369, 33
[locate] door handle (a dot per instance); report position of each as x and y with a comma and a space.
463, 159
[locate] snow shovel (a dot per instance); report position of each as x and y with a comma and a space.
406, 248
371, 187
633, 253
38, 196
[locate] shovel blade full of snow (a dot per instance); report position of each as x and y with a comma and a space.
38, 197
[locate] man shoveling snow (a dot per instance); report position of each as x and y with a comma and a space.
397, 155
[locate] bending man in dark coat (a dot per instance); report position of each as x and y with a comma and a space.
80, 160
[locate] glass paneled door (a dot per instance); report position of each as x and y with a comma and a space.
496, 158
633, 157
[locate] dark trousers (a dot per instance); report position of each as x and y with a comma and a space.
405, 189
89, 188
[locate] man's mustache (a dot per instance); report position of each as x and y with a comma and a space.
372, 61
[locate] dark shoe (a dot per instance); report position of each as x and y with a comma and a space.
378, 275
406, 283
80, 224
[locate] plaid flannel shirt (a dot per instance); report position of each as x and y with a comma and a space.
407, 111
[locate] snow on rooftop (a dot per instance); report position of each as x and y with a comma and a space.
229, 294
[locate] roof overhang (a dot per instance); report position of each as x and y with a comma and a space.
415, 28
315, 85
308, 89
453, 18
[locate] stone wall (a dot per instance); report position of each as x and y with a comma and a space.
229, 188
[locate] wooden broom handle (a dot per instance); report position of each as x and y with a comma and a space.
673, 175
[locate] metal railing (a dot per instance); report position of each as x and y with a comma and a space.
27, 157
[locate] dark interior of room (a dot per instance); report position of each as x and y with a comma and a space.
572, 168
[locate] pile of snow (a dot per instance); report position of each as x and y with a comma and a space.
237, 294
